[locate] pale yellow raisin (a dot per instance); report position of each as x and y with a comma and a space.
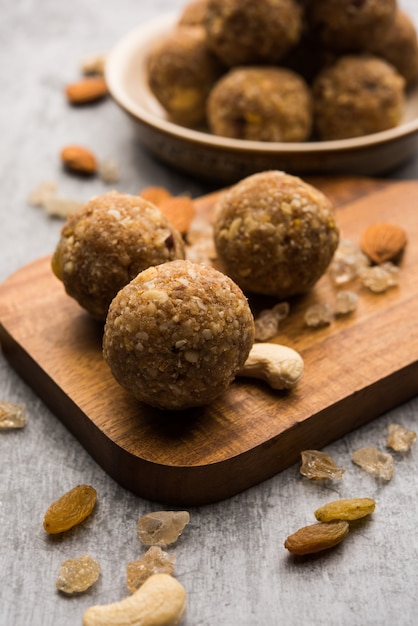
70, 509
351, 509
316, 537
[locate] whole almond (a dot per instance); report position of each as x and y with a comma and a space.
86, 90
155, 194
317, 537
180, 211
79, 159
383, 242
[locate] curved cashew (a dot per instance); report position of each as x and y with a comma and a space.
160, 601
281, 367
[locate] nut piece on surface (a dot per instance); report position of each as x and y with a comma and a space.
87, 90
281, 367
383, 242
79, 159
160, 601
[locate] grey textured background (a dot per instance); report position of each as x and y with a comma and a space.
230, 558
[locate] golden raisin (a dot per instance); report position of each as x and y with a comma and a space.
70, 509
316, 537
351, 509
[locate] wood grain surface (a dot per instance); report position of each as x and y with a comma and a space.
355, 369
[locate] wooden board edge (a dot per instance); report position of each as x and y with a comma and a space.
182, 486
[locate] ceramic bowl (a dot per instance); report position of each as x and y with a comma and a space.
227, 160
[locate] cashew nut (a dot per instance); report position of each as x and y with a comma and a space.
160, 601
281, 367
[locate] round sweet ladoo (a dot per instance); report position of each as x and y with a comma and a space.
356, 96
108, 242
181, 71
397, 43
193, 13
262, 104
275, 234
177, 334
345, 25
242, 32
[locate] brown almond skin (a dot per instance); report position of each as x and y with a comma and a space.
316, 537
155, 194
86, 90
383, 242
180, 211
79, 159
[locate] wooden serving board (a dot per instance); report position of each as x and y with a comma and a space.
355, 369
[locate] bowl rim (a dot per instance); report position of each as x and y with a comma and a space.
146, 33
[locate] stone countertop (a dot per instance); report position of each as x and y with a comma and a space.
230, 557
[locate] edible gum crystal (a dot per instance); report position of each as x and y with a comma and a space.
345, 302
380, 278
375, 462
267, 323
400, 438
12, 415
319, 315
154, 561
317, 465
162, 528
347, 263
78, 575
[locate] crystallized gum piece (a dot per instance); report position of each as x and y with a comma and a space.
162, 528
317, 465
319, 315
78, 575
380, 278
12, 415
268, 321
347, 262
375, 462
345, 302
154, 561
400, 438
